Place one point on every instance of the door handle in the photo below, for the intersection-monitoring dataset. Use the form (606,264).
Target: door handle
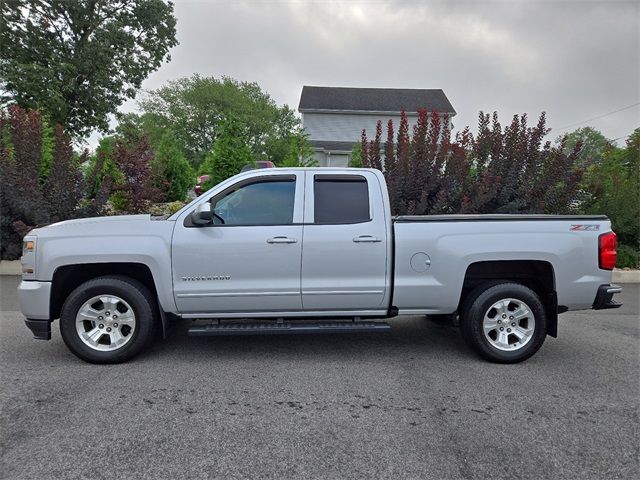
(282,240)
(366,239)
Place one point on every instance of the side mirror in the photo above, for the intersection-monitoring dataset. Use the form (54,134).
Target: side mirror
(202,215)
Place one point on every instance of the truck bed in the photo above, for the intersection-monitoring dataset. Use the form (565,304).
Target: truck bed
(496,218)
(433,253)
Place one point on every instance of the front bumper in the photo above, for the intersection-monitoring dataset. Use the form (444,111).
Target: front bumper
(34,298)
(41,329)
(604,297)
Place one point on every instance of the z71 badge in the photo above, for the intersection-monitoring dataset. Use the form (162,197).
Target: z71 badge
(584,228)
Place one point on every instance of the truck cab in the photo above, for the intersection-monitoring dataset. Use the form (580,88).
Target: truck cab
(247,255)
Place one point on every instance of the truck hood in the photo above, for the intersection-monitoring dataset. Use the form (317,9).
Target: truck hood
(94,226)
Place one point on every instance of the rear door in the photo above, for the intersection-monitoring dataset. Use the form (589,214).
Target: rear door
(344,258)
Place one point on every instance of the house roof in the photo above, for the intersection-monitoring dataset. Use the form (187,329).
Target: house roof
(373,99)
(332,146)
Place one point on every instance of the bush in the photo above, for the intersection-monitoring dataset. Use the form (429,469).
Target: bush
(118,203)
(27,197)
(139,186)
(166,208)
(628,257)
(506,170)
(172,168)
(172,173)
(101,166)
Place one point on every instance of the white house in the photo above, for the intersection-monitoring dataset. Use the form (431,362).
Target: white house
(334,117)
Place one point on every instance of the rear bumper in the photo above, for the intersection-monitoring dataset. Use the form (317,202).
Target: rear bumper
(604,297)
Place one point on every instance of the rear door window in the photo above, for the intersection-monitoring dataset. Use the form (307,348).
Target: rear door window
(340,200)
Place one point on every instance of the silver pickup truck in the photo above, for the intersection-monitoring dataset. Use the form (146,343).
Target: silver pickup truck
(311,251)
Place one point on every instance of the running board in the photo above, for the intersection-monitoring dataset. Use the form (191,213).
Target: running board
(295,328)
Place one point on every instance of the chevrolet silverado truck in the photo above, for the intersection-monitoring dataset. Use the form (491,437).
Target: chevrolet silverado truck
(311,251)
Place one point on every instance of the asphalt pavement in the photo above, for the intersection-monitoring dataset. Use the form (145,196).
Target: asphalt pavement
(412,403)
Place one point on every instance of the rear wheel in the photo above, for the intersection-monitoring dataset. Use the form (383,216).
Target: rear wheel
(504,322)
(108,319)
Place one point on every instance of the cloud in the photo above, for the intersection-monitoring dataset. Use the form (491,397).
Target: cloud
(574,60)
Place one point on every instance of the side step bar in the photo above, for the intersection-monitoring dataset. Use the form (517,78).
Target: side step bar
(294,328)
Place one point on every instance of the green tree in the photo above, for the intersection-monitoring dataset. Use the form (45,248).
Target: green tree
(170,165)
(593,145)
(194,107)
(101,165)
(132,126)
(77,61)
(299,152)
(355,160)
(173,174)
(613,188)
(230,152)
(48,148)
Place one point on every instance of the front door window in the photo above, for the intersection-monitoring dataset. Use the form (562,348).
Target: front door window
(258,203)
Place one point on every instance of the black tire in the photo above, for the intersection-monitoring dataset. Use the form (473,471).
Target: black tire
(139,298)
(480,300)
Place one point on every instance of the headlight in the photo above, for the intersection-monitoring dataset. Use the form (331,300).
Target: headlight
(28,259)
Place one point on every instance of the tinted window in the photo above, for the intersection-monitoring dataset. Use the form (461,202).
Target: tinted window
(260,203)
(338,200)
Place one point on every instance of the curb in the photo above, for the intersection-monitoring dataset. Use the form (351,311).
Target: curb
(626,276)
(13,267)
(10,267)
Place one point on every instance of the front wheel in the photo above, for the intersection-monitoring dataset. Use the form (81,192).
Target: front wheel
(504,323)
(108,319)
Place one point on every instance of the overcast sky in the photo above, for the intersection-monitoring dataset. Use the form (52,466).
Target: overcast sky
(576,60)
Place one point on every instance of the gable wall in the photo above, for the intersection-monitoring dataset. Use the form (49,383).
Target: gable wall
(348,126)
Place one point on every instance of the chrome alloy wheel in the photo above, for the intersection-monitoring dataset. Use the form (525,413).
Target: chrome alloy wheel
(509,324)
(105,323)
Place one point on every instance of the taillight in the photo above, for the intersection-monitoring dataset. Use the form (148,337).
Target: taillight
(607,245)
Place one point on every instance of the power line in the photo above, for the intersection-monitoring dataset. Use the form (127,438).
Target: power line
(598,117)
(621,138)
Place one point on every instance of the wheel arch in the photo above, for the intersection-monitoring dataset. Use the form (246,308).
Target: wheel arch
(67,278)
(538,275)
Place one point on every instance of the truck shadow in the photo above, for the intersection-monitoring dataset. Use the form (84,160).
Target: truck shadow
(409,336)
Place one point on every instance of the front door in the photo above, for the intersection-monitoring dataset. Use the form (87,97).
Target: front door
(249,259)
